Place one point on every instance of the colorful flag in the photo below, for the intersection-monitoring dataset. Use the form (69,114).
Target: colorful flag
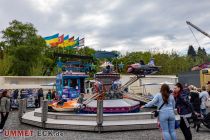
(65,40)
(68,42)
(60,40)
(51,39)
(66,37)
(72,43)
(82,42)
(76,42)
(71,39)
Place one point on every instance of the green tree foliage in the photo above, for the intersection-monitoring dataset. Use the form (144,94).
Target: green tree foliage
(171,63)
(201,54)
(5,64)
(19,33)
(86,51)
(24,47)
(23,59)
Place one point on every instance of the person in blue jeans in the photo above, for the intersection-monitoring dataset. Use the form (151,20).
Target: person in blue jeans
(166,113)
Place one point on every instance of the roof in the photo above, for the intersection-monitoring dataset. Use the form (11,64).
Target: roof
(73,74)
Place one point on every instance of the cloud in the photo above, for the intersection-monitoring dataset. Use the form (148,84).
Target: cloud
(115,25)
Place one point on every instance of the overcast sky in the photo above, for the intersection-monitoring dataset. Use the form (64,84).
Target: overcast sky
(123,25)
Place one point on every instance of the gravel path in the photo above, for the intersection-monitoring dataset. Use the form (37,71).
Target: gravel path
(13,124)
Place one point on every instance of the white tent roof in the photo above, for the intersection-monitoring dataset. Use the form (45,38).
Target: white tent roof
(106,64)
(165,82)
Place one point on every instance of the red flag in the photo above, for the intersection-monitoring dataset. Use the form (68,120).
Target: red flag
(71,39)
(60,39)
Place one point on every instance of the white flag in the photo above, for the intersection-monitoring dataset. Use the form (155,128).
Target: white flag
(82,42)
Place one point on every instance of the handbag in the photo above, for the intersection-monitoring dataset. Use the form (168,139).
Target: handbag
(156,112)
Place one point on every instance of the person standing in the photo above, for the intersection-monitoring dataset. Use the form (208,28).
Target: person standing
(166,113)
(81,98)
(4,108)
(40,94)
(195,101)
(53,94)
(203,98)
(49,95)
(184,109)
(21,94)
(15,94)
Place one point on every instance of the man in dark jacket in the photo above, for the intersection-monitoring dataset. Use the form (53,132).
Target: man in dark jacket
(184,109)
(40,94)
(15,94)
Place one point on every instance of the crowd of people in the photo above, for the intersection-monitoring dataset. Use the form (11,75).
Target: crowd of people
(10,97)
(189,101)
(34,93)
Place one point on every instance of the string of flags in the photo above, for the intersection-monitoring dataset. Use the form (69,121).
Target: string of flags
(64,41)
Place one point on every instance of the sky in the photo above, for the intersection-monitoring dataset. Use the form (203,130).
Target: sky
(122,25)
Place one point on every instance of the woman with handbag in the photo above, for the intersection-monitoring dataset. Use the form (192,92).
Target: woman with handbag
(4,108)
(165,113)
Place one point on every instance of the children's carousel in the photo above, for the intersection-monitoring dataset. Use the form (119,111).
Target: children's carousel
(109,107)
(108,86)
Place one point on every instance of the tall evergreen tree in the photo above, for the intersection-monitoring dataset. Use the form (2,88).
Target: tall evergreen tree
(191,51)
(200,52)
(202,55)
(204,52)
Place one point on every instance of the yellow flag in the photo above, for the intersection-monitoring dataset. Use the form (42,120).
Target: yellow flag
(51,41)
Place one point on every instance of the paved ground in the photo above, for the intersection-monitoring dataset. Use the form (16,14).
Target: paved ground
(13,124)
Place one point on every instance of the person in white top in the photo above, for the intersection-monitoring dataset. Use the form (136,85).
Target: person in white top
(204,95)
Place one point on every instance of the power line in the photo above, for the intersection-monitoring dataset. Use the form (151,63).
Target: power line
(194,36)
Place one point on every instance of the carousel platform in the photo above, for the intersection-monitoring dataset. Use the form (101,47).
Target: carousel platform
(87,122)
(114,106)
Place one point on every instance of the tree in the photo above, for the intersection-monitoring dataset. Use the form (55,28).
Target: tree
(191,52)
(23,45)
(86,51)
(18,34)
(23,59)
(204,51)
(201,54)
